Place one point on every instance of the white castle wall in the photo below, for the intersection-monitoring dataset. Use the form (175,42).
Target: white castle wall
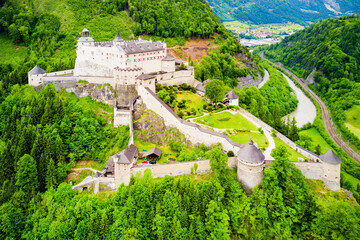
(250,175)
(177,78)
(121,117)
(193,132)
(176,169)
(58,73)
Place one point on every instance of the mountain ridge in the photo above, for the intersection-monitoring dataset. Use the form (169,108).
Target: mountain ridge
(282,11)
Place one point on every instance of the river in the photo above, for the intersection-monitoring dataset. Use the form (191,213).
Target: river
(305,111)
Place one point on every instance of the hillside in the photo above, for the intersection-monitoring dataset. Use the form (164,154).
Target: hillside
(331,47)
(49,30)
(282,11)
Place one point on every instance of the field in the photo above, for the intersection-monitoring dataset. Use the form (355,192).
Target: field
(244,137)
(317,139)
(236,25)
(9,52)
(348,178)
(353,119)
(226,120)
(294,155)
(192,101)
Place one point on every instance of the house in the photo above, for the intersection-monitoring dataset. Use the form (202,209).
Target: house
(153,153)
(231,98)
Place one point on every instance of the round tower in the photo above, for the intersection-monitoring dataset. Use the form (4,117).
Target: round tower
(250,168)
(35,76)
(331,170)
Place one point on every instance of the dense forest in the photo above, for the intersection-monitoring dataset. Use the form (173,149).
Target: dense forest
(283,207)
(47,132)
(281,11)
(332,48)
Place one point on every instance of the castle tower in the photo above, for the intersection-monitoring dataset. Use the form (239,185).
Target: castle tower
(35,76)
(123,162)
(118,39)
(331,170)
(250,168)
(85,38)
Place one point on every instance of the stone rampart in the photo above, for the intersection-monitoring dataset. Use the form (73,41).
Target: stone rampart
(299,149)
(193,132)
(176,169)
(59,73)
(177,78)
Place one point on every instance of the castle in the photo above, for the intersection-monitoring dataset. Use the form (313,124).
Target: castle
(125,65)
(133,68)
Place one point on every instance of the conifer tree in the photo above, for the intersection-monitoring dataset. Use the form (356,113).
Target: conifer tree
(51,179)
(26,176)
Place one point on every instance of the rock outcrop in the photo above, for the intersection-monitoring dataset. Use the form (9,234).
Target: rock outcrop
(104,93)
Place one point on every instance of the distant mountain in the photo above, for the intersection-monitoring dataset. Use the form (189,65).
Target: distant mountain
(282,11)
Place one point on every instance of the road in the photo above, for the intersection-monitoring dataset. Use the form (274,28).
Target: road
(325,114)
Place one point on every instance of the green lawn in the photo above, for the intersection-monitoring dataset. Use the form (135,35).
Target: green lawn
(9,52)
(353,119)
(237,25)
(192,101)
(244,137)
(317,139)
(294,155)
(226,120)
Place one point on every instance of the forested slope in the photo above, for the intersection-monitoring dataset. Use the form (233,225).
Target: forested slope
(332,48)
(212,207)
(282,11)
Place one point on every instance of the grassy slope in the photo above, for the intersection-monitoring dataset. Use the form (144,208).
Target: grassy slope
(9,52)
(192,101)
(244,137)
(317,138)
(293,154)
(353,119)
(226,120)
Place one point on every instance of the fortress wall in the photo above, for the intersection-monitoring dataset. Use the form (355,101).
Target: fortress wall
(176,169)
(65,72)
(286,140)
(121,117)
(310,170)
(68,83)
(193,132)
(177,78)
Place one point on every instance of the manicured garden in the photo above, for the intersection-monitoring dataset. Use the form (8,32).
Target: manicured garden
(353,119)
(226,120)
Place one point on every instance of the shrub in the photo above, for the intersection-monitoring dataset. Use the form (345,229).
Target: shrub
(230,153)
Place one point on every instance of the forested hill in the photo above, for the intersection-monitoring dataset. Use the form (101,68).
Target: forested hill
(331,47)
(282,11)
(50,28)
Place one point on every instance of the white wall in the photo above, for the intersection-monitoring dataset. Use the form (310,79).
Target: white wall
(176,169)
(193,132)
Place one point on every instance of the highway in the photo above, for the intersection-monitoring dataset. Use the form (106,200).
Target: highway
(325,114)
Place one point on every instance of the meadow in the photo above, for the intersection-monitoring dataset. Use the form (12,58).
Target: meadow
(353,119)
(317,139)
(226,120)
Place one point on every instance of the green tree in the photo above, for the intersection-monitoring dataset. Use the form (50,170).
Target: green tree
(51,178)
(214,91)
(27,176)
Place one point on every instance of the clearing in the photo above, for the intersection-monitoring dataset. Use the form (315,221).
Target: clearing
(9,52)
(353,119)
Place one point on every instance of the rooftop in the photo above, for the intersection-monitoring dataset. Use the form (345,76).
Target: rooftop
(231,95)
(156,151)
(37,70)
(250,153)
(330,157)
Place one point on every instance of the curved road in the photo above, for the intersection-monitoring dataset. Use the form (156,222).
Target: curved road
(325,114)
